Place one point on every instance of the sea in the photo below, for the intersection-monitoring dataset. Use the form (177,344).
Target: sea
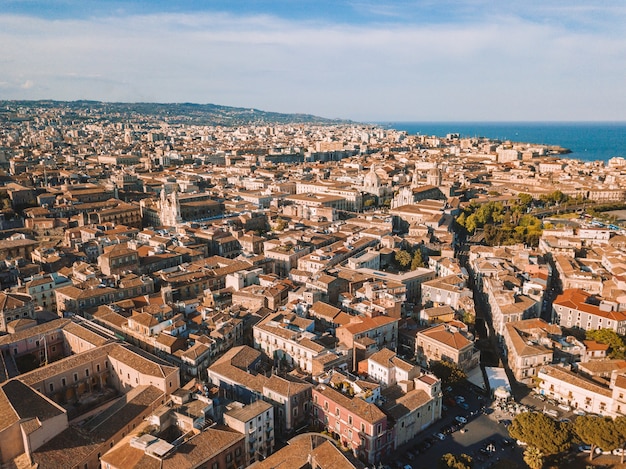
(588,141)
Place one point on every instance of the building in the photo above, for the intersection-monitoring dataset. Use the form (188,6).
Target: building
(579,309)
(449,341)
(360,426)
(14,306)
(256,422)
(528,347)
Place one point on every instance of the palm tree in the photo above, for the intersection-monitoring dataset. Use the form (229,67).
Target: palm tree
(533,457)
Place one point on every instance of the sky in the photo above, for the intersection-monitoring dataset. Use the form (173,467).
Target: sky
(365,60)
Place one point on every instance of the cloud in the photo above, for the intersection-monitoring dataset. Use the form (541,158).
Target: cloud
(501,67)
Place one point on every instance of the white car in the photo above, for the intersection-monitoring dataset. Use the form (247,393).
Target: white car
(579,412)
(565,407)
(460,419)
(440,436)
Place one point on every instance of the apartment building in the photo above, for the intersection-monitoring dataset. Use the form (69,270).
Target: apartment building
(446,291)
(290,338)
(448,341)
(236,373)
(528,347)
(579,309)
(359,425)
(382,330)
(256,422)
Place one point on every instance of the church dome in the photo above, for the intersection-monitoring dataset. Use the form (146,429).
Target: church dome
(371,178)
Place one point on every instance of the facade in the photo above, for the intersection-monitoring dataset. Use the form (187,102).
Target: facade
(359,425)
(41,289)
(577,308)
(447,341)
(256,422)
(528,347)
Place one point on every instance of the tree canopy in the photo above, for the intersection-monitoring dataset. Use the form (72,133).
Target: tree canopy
(448,372)
(502,225)
(598,432)
(452,461)
(611,338)
(533,457)
(540,431)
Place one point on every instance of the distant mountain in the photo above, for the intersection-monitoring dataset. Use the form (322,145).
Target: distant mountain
(175,113)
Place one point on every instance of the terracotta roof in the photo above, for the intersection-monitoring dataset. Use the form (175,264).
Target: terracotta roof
(365,410)
(444,334)
(13,300)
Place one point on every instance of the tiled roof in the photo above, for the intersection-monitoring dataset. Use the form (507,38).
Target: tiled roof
(368,412)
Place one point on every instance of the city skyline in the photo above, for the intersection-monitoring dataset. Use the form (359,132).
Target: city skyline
(366,61)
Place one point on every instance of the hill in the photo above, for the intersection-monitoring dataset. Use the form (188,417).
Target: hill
(174,113)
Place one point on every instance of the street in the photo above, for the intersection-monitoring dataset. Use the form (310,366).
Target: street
(481,430)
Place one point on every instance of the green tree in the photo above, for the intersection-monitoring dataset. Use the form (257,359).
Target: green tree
(620,429)
(524,201)
(448,372)
(280,224)
(452,461)
(403,258)
(541,432)
(533,457)
(611,338)
(369,203)
(598,432)
(417,259)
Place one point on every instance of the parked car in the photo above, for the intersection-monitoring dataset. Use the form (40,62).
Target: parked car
(450,401)
(459,399)
(464,405)
(565,407)
(551,413)
(460,419)
(440,436)
(579,412)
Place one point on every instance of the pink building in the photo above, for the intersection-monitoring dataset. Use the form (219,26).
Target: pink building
(359,425)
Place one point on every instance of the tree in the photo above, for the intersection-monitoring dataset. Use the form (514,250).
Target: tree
(417,259)
(369,203)
(448,372)
(598,432)
(280,224)
(533,457)
(451,461)
(611,338)
(620,429)
(538,430)
(403,258)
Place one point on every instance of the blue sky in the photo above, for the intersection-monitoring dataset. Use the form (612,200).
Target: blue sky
(432,60)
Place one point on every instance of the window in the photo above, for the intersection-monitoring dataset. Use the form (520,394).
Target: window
(350,419)
(51,387)
(87,372)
